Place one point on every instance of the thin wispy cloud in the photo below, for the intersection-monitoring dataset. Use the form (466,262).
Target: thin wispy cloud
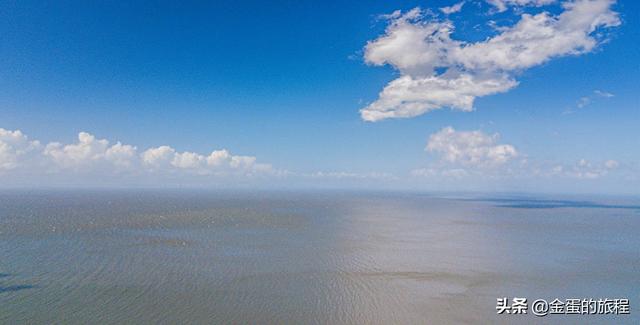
(503,5)
(582,169)
(603,94)
(585,101)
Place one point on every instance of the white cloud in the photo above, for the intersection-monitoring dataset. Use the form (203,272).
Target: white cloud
(470,148)
(218,161)
(583,101)
(585,170)
(351,175)
(523,170)
(242,161)
(121,155)
(421,48)
(502,5)
(586,100)
(218,157)
(410,96)
(15,149)
(452,9)
(475,154)
(440,172)
(91,155)
(90,152)
(538,38)
(603,93)
(611,164)
(158,157)
(188,160)
(582,169)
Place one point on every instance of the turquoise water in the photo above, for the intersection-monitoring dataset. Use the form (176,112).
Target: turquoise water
(207,257)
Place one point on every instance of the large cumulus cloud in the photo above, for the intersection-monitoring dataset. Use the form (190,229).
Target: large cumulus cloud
(437,71)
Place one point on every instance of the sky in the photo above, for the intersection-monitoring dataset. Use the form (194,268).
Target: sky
(496,95)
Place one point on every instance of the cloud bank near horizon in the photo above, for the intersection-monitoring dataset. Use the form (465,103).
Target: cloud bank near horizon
(437,71)
(90,155)
(468,154)
(457,154)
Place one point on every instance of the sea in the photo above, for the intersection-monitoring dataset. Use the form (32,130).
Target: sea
(97,256)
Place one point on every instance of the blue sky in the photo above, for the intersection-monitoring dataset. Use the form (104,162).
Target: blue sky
(285,83)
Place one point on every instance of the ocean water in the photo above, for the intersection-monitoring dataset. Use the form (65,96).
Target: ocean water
(207,257)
